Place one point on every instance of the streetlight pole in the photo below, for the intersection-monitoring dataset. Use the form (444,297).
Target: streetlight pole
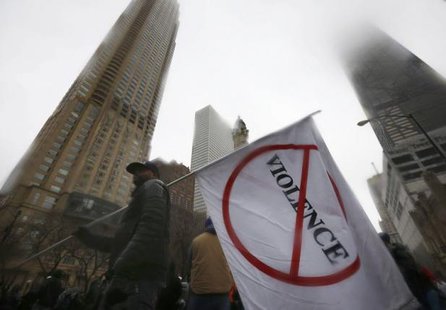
(409,116)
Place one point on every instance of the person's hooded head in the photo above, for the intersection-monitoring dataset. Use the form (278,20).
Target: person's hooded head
(209,226)
(385,237)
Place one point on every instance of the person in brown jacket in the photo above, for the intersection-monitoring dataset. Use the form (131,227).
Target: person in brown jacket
(210,279)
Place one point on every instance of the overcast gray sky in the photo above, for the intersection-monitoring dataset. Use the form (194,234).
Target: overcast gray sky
(269,61)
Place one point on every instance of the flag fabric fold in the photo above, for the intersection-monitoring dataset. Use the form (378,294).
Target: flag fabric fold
(293,233)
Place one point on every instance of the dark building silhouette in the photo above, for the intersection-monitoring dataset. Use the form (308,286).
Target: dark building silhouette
(390,81)
(397,89)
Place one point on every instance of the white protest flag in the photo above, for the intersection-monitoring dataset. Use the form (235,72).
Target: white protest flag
(293,233)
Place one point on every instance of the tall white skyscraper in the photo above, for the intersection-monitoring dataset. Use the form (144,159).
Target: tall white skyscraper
(212,140)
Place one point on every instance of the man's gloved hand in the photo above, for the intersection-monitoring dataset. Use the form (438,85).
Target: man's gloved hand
(82,233)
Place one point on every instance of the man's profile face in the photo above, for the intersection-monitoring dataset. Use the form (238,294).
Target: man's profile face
(142,175)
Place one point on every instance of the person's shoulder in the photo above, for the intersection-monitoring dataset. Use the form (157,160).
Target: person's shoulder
(198,238)
(154,187)
(400,249)
(154,183)
(203,237)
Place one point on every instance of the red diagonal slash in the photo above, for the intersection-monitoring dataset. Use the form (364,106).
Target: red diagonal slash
(295,259)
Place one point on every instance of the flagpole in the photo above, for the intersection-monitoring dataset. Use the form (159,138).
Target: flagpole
(125,207)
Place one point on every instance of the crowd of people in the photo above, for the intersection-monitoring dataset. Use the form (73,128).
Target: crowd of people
(140,276)
(47,293)
(52,293)
(426,288)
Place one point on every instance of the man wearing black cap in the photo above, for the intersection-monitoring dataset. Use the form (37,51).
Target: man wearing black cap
(139,249)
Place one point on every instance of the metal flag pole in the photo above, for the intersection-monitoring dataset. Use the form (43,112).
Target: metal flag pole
(125,207)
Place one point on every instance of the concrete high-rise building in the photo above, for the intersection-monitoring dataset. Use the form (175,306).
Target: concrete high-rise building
(105,120)
(181,211)
(212,140)
(392,84)
(376,190)
(240,134)
(400,204)
(430,216)
(181,193)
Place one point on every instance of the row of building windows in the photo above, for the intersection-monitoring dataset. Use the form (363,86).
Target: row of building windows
(92,157)
(76,146)
(47,203)
(148,54)
(180,201)
(71,153)
(55,148)
(113,66)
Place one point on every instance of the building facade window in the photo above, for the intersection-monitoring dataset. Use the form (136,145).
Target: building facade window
(63,171)
(55,188)
(35,198)
(44,168)
(69,260)
(49,202)
(59,180)
(39,176)
(48,160)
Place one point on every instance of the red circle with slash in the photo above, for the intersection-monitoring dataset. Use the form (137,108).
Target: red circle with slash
(293,276)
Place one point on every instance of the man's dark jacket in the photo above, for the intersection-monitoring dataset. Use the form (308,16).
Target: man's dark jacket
(139,249)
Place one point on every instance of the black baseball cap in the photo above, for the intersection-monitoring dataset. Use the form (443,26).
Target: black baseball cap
(135,166)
